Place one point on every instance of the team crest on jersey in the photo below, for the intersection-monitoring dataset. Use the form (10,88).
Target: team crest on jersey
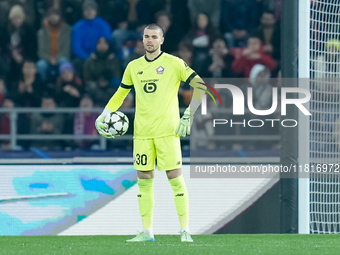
(160,70)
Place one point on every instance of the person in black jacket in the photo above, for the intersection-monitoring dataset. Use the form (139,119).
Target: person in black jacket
(269,33)
(173,33)
(218,63)
(103,59)
(19,39)
(239,19)
(69,86)
(30,87)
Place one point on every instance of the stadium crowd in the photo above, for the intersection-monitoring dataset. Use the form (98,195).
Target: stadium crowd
(72,53)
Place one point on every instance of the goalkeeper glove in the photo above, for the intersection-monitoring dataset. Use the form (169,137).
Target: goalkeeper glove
(102,127)
(183,128)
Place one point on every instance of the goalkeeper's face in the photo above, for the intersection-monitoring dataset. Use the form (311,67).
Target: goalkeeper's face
(152,40)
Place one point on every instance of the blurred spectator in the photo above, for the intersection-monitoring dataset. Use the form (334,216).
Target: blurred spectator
(28,8)
(88,30)
(5,123)
(221,61)
(102,92)
(139,51)
(212,8)
(20,39)
(201,131)
(71,10)
(239,18)
(251,56)
(172,33)
(202,32)
(2,90)
(54,41)
(259,80)
(84,122)
(201,35)
(69,86)
(262,90)
(185,51)
(41,8)
(29,87)
(122,36)
(273,6)
(180,14)
(133,17)
(269,34)
(218,64)
(221,112)
(47,123)
(114,11)
(130,14)
(131,27)
(28,91)
(99,61)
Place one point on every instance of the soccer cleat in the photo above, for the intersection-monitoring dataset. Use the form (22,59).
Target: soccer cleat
(185,237)
(142,237)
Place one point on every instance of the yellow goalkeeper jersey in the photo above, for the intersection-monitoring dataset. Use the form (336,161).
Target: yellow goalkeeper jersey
(156,83)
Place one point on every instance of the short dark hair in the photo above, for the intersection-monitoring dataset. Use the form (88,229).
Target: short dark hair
(47,95)
(218,38)
(154,26)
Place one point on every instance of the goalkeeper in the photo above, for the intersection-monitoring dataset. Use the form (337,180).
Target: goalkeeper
(156,79)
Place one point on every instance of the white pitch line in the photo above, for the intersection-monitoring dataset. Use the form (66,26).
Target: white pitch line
(28,197)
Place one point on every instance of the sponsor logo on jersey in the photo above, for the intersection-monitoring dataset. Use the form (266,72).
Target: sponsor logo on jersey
(150,87)
(160,70)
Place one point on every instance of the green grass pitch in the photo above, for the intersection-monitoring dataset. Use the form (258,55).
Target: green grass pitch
(203,244)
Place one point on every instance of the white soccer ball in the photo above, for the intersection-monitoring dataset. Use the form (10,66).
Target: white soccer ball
(118,123)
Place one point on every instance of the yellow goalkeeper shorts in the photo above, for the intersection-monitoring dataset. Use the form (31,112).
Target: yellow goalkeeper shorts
(167,151)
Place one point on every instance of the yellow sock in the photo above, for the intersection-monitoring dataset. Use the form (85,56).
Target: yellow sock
(181,200)
(146,201)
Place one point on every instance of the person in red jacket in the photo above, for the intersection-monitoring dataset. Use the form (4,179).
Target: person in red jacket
(251,56)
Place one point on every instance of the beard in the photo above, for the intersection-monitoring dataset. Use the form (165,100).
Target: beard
(151,51)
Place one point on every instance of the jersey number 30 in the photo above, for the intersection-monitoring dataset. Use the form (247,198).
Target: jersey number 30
(141,159)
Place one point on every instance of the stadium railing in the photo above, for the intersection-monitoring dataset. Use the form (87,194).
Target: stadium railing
(14,136)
